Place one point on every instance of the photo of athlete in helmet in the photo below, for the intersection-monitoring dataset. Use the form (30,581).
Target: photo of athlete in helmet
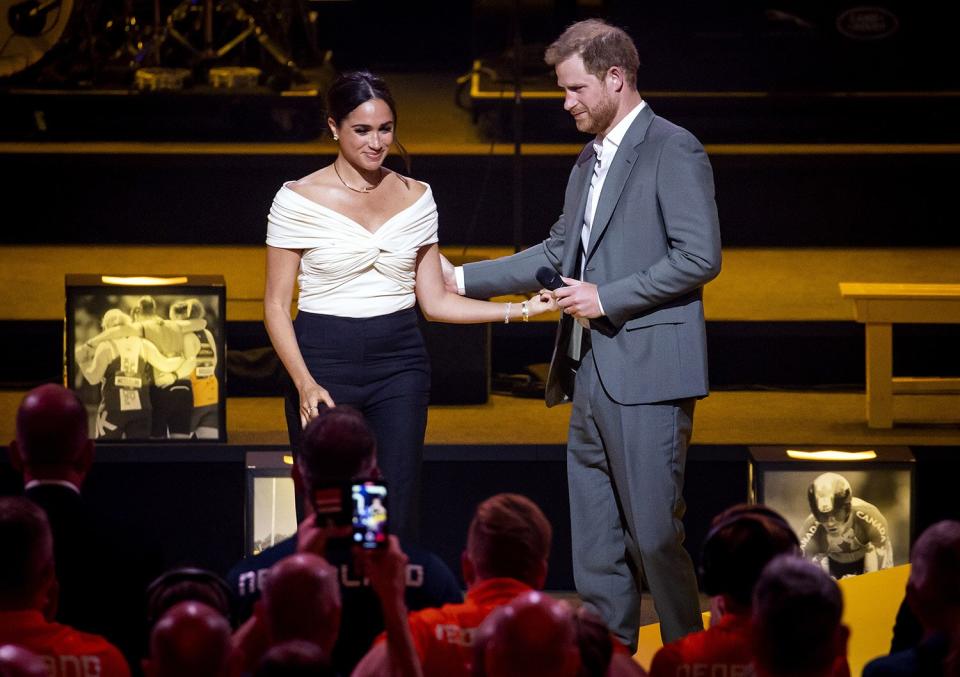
(844,534)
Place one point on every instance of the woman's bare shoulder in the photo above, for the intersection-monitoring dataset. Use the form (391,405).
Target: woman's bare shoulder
(410,188)
(316,186)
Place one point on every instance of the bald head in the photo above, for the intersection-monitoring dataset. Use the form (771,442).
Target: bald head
(52,440)
(933,589)
(301,600)
(532,635)
(190,640)
(16,661)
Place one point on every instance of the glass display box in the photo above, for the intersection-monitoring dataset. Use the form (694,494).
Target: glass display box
(146,356)
(851,507)
(271,511)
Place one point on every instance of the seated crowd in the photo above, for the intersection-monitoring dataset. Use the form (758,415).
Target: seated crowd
(317,605)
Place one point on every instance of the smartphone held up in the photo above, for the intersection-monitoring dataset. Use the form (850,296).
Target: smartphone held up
(370,524)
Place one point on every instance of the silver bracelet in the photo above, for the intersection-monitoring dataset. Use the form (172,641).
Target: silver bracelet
(506,315)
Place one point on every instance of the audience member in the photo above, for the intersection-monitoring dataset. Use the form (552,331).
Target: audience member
(15,661)
(190,640)
(741,541)
(531,636)
(187,584)
(301,600)
(933,595)
(338,446)
(508,543)
(93,552)
(295,658)
(797,631)
(28,599)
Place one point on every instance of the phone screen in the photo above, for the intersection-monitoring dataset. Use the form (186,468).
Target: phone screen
(370,514)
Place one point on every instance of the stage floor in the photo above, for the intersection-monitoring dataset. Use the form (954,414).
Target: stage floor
(724,418)
(755,285)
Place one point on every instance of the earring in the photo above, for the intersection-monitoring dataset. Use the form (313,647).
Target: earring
(336,138)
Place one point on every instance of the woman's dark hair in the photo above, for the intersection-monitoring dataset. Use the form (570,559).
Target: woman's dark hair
(351,89)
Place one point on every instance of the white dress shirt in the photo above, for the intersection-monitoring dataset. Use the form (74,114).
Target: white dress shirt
(605,149)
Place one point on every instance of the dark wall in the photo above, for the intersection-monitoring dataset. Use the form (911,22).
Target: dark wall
(763,200)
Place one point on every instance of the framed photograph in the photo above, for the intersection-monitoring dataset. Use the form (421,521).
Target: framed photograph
(271,500)
(146,356)
(852,514)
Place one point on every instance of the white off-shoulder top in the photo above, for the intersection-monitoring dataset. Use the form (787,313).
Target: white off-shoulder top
(345,269)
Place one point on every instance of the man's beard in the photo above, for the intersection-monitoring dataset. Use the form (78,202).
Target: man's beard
(599,118)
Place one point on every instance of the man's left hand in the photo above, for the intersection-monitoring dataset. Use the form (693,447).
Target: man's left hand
(579,299)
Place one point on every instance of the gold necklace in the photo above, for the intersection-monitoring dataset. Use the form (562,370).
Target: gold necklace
(365,189)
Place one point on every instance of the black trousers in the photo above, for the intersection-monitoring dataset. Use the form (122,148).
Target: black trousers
(380,366)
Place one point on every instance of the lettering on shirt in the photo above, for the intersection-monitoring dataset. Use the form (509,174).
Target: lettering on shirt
(454,634)
(875,523)
(715,670)
(250,582)
(72,666)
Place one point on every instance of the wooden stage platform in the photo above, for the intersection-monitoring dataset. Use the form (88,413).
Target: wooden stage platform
(756,285)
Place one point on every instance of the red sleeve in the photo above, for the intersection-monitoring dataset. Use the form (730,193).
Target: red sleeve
(666,662)
(113,664)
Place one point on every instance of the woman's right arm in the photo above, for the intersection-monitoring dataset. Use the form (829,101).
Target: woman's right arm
(282,267)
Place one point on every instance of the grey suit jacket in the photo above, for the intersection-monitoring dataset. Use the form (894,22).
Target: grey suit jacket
(654,243)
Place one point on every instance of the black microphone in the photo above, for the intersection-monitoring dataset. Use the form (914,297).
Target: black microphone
(550,279)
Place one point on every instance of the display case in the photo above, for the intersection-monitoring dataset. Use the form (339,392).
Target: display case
(851,507)
(271,514)
(146,356)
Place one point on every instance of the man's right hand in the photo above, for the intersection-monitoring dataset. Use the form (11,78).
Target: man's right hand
(449,276)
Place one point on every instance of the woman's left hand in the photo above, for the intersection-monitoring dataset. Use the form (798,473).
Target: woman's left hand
(544,302)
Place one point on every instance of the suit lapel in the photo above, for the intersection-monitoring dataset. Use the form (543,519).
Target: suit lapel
(575,222)
(620,168)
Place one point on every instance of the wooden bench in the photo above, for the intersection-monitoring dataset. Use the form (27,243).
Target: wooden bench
(879,306)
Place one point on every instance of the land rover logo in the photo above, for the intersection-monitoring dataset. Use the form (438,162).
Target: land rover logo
(867,23)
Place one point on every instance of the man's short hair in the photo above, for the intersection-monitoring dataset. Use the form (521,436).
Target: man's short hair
(741,541)
(294,658)
(600,45)
(337,445)
(27,561)
(797,608)
(935,568)
(51,425)
(509,537)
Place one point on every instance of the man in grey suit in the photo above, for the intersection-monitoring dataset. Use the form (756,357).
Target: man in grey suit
(637,240)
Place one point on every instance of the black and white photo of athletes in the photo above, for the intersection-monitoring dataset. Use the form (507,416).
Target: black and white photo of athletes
(147,366)
(848,522)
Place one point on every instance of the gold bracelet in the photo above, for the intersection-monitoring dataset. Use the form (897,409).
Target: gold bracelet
(525,311)
(506,315)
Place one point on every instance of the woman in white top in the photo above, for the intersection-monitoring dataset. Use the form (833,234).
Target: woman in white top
(361,241)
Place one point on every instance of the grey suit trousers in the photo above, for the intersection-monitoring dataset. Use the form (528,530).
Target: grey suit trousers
(625,466)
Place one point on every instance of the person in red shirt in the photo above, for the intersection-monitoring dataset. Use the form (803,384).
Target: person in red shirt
(741,541)
(508,543)
(15,661)
(28,600)
(301,600)
(532,635)
(797,631)
(191,639)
